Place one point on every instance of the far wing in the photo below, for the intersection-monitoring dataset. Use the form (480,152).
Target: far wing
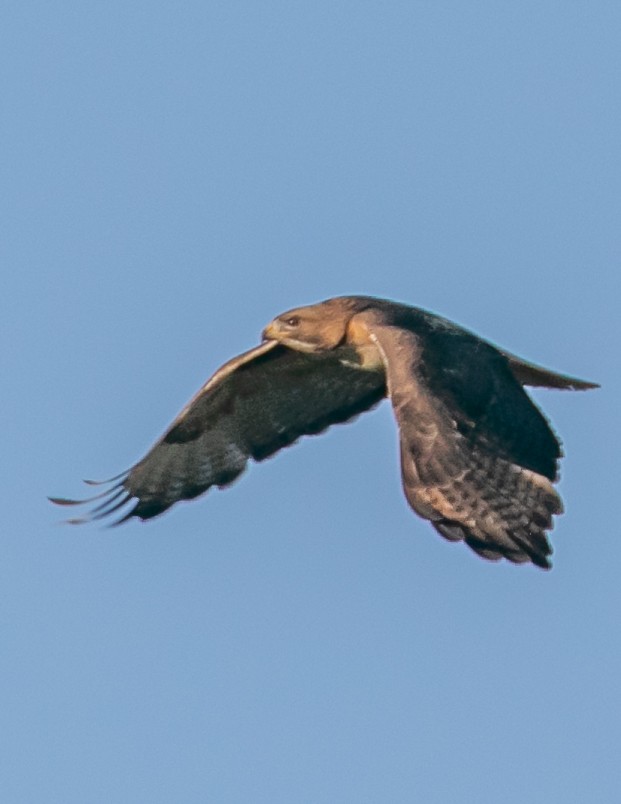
(253,406)
(477,456)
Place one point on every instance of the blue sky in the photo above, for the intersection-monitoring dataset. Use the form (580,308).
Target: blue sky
(173,176)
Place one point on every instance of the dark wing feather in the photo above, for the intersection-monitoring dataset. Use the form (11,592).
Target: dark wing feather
(252,407)
(477,456)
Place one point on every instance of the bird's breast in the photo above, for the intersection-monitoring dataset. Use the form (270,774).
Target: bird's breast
(365,353)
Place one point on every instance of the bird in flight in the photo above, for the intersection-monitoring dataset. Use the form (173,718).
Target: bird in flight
(478,458)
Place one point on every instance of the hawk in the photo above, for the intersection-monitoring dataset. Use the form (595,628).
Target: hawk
(478,458)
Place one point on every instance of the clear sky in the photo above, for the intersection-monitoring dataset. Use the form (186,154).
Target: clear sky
(175,174)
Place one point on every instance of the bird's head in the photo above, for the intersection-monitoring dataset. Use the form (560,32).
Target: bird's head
(316,328)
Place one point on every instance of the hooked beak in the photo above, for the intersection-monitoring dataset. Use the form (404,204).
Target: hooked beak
(270,332)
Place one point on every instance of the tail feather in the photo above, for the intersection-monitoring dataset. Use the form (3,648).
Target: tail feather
(539,377)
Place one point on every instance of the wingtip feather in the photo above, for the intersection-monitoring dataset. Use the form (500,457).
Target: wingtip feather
(109,497)
(64,501)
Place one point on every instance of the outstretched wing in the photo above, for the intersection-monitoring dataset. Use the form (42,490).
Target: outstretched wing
(253,406)
(478,458)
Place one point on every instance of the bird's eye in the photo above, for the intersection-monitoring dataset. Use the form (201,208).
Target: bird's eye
(292,321)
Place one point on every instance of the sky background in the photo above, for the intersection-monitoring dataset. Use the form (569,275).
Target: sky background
(174,175)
